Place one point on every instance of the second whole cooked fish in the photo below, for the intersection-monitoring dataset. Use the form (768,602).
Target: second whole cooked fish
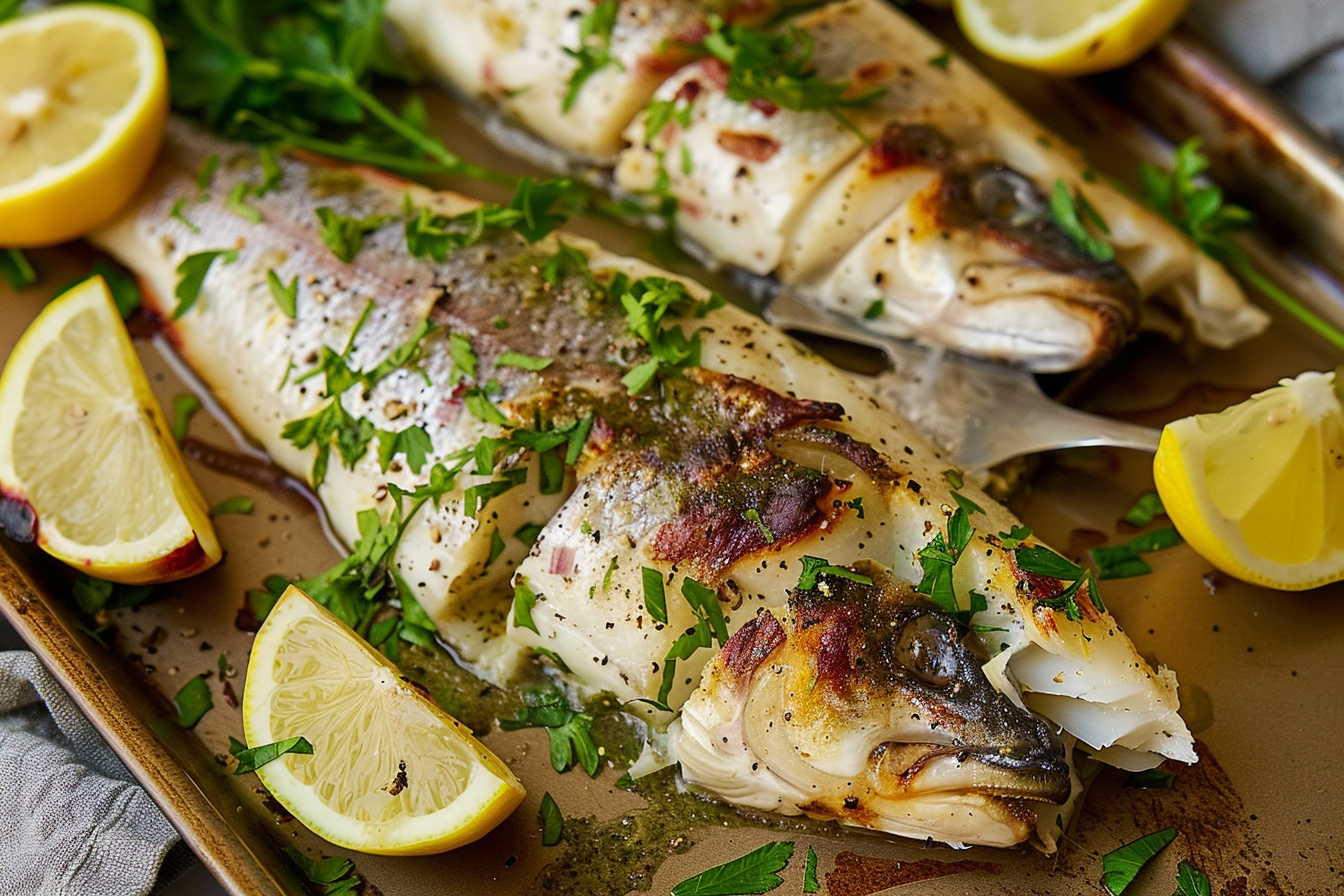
(630,478)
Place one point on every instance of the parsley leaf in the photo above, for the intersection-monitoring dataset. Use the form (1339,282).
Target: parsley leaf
(571,740)
(413,441)
(185,407)
(344,235)
(552,822)
(1119,866)
(286,297)
(754,516)
(191,277)
(776,66)
(536,209)
(193,701)
(647,302)
(252,758)
(759,871)
(876,308)
(17,270)
(524,362)
(655,598)
(1067,210)
(1121,561)
(93,594)
(810,883)
(1145,510)
(239,504)
(334,876)
(814,567)
(1190,881)
(1042,561)
(594,50)
(524,599)
(1014,537)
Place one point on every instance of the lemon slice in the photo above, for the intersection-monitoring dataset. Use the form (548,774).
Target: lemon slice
(84,451)
(1258,489)
(83,101)
(390,772)
(1067,37)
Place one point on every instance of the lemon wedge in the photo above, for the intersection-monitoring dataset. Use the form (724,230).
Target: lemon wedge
(85,455)
(1067,37)
(1258,489)
(83,102)
(390,772)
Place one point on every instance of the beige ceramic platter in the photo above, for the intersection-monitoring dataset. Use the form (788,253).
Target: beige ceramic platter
(1260,672)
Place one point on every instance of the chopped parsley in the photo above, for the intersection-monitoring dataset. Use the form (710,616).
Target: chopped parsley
(528,533)
(178,213)
(939,558)
(252,758)
(1120,866)
(524,362)
(1073,213)
(238,504)
(776,66)
(193,701)
(333,877)
(569,730)
(655,597)
(1042,561)
(875,309)
(1145,510)
(594,50)
(810,883)
(660,113)
(344,235)
(524,599)
(237,203)
(1014,537)
(17,270)
(759,871)
(552,822)
(185,407)
(942,60)
(93,594)
(286,297)
(191,277)
(814,567)
(536,209)
(1123,560)
(647,302)
(709,627)
(754,516)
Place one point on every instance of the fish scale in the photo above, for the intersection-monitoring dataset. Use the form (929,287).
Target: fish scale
(664,480)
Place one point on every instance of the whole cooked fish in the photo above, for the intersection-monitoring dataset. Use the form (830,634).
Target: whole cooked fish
(927,210)
(627,473)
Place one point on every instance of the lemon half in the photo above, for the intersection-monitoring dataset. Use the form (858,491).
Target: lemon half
(1067,37)
(1258,489)
(84,444)
(390,772)
(83,102)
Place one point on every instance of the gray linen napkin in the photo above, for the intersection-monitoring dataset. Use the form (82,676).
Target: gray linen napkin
(72,821)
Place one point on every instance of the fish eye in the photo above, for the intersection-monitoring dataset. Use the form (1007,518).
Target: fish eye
(927,650)
(1006,195)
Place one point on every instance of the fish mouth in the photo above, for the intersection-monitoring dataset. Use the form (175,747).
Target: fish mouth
(923,769)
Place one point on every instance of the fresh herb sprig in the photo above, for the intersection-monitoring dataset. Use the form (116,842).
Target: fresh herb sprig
(759,871)
(775,66)
(252,758)
(1121,865)
(1078,218)
(569,730)
(647,302)
(301,75)
(1199,209)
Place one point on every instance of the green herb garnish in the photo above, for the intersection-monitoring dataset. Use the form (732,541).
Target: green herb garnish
(1014,537)
(814,567)
(1122,561)
(810,883)
(942,60)
(552,822)
(1119,866)
(594,50)
(192,701)
(344,235)
(776,66)
(238,504)
(1201,212)
(1145,510)
(252,758)
(17,270)
(524,362)
(333,877)
(286,297)
(759,871)
(1042,561)
(571,740)
(191,277)
(1190,881)
(647,302)
(1069,210)
(655,598)
(524,599)
(185,407)
(93,594)
(754,516)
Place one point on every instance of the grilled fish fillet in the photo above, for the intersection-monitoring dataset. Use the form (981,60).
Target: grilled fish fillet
(937,207)
(714,481)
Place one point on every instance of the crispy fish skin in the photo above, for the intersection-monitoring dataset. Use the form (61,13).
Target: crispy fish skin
(665,478)
(802,198)
(860,702)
